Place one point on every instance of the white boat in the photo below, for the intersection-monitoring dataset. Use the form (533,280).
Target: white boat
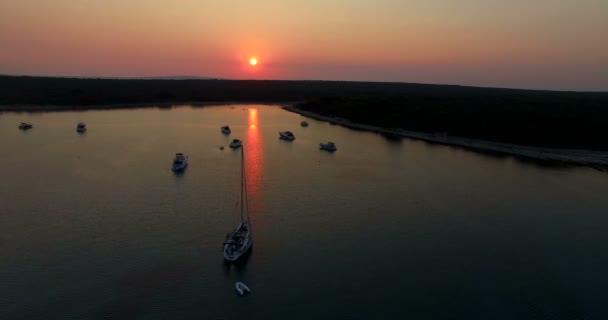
(226,130)
(179,162)
(304,124)
(241,288)
(236,143)
(287,135)
(81,127)
(330,146)
(25,126)
(239,241)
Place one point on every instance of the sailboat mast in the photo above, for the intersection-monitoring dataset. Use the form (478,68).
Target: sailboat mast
(242,180)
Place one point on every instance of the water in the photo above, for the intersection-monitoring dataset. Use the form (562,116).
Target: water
(96,226)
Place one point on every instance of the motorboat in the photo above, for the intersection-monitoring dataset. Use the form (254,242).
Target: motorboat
(239,241)
(25,126)
(81,127)
(330,146)
(304,124)
(180,162)
(287,135)
(241,288)
(226,130)
(236,143)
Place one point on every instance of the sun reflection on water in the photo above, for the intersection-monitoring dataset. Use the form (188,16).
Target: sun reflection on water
(253,162)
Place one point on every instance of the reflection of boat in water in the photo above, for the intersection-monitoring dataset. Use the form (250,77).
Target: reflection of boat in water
(81,127)
(304,124)
(240,240)
(287,135)
(236,143)
(226,130)
(25,126)
(241,288)
(330,146)
(179,162)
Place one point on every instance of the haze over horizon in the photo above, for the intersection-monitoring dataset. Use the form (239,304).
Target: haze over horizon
(549,44)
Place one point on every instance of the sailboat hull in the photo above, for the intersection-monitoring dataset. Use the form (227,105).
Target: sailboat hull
(234,258)
(238,243)
(240,240)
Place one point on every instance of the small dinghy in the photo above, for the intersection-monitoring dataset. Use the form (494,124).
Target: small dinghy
(241,288)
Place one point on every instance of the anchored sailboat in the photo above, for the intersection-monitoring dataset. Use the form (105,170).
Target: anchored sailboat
(240,240)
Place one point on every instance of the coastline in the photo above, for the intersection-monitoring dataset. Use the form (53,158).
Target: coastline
(51,108)
(575,157)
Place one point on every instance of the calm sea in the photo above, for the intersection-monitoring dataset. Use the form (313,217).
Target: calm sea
(96,226)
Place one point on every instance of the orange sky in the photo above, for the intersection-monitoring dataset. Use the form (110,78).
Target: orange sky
(549,44)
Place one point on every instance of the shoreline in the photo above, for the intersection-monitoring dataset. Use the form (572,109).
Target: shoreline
(135,105)
(576,157)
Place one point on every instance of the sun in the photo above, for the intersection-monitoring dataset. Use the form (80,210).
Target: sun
(253,61)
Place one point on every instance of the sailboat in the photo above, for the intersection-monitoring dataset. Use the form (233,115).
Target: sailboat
(239,241)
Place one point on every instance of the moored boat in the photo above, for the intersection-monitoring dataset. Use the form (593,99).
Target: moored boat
(239,241)
(330,146)
(287,135)
(180,162)
(236,143)
(81,127)
(25,126)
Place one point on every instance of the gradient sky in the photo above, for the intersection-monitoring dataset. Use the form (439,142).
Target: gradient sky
(543,44)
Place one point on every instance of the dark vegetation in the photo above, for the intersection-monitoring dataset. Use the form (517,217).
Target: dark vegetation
(542,118)
(539,118)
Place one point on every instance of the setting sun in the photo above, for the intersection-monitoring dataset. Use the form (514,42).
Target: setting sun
(253,61)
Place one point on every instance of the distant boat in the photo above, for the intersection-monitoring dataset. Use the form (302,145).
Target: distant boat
(304,124)
(180,162)
(226,130)
(330,146)
(236,143)
(25,126)
(287,135)
(241,288)
(239,241)
(81,127)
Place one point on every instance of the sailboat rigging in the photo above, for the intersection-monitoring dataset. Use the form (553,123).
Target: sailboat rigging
(239,241)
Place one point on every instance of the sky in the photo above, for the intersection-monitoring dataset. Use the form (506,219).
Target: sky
(540,44)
